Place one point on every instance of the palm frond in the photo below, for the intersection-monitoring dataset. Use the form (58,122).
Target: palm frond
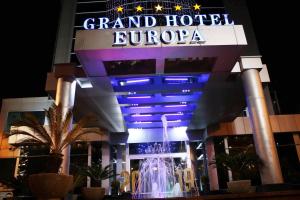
(52,123)
(31,135)
(32,123)
(59,135)
(38,128)
(73,136)
(96,172)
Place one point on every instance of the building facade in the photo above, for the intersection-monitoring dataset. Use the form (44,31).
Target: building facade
(183,72)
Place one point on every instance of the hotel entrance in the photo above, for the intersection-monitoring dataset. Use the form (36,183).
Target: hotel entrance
(158,172)
(173,84)
(150,92)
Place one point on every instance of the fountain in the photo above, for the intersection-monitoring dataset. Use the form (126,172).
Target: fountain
(157,178)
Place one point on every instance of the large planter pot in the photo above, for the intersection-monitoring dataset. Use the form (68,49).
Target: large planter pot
(241,186)
(93,193)
(50,185)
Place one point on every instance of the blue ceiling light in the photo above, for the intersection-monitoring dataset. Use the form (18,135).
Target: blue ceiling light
(175,106)
(176,95)
(141,115)
(157,109)
(203,78)
(140,107)
(138,97)
(134,81)
(156,117)
(177,80)
(174,121)
(142,122)
(143,100)
(157,124)
(174,114)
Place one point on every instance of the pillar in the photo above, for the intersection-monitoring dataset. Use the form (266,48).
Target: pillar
(259,117)
(127,159)
(226,146)
(105,161)
(119,159)
(188,156)
(65,95)
(89,162)
(212,170)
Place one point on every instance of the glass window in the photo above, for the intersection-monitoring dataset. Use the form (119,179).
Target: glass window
(288,157)
(235,145)
(78,158)
(153,147)
(14,116)
(32,159)
(96,152)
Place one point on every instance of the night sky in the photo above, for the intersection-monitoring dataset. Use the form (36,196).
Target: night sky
(30,31)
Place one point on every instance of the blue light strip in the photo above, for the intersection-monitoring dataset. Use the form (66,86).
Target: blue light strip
(146,99)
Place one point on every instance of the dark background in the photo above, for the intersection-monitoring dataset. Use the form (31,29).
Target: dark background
(29,30)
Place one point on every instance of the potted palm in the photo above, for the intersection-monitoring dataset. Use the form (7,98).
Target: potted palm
(96,174)
(59,135)
(243,163)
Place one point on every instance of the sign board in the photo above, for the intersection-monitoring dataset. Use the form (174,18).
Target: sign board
(145,34)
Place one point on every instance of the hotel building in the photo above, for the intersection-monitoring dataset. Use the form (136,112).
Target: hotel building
(198,66)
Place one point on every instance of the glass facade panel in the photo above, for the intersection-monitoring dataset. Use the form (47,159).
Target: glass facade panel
(144,148)
(14,116)
(289,162)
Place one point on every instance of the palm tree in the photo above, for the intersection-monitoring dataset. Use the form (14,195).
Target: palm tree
(58,137)
(96,172)
(243,162)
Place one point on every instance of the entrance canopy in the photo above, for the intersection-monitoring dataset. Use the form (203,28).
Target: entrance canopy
(134,85)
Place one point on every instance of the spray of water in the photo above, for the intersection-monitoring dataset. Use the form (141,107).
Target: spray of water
(156,174)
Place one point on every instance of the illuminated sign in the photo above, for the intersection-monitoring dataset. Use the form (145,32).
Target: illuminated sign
(141,28)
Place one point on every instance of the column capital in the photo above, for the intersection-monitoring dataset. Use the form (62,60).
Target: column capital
(250,62)
(68,71)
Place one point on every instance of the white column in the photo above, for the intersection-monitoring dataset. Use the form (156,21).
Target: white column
(127,159)
(226,146)
(212,170)
(105,161)
(89,162)
(188,156)
(119,159)
(65,95)
(262,132)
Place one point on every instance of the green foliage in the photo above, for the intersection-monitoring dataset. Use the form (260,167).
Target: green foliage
(79,181)
(243,162)
(96,172)
(60,133)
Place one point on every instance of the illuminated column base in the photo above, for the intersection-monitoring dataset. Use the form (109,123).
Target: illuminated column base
(65,95)
(262,132)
